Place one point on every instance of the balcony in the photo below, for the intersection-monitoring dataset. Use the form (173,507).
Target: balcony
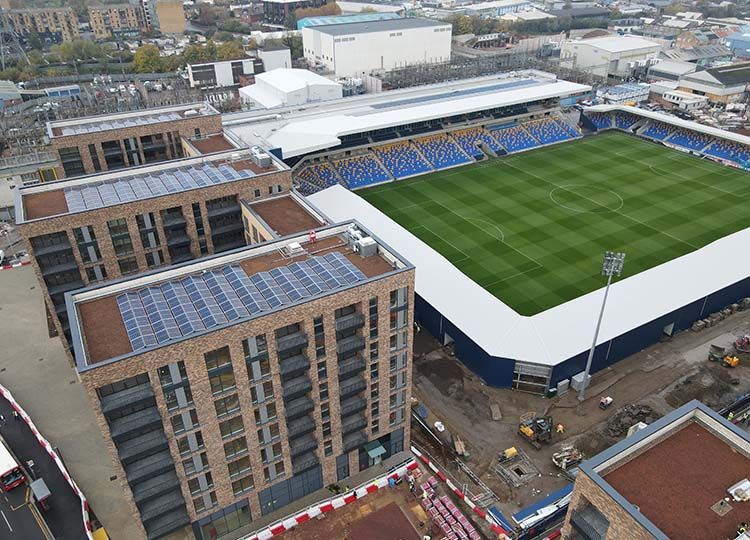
(349,344)
(302,445)
(173,221)
(352,321)
(178,240)
(296,387)
(300,426)
(148,467)
(350,367)
(304,461)
(130,396)
(353,423)
(225,228)
(142,446)
(354,386)
(298,407)
(155,486)
(161,505)
(352,405)
(354,440)
(293,366)
(214,211)
(140,420)
(51,248)
(59,268)
(297,340)
(162,526)
(589,523)
(65,287)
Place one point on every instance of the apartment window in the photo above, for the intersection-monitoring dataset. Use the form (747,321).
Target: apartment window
(323,391)
(257,194)
(374,350)
(398,319)
(374,391)
(147,230)
(155,259)
(198,219)
(243,485)
(373,316)
(265,413)
(322,370)
(396,417)
(184,422)
(320,338)
(270,453)
(201,504)
(119,386)
(375,409)
(200,483)
(328,448)
(326,429)
(398,341)
(173,398)
(236,468)
(71,161)
(325,411)
(222,381)
(255,346)
(398,361)
(233,426)
(128,265)
(218,358)
(172,373)
(87,244)
(118,231)
(259,369)
(399,298)
(398,380)
(96,273)
(190,443)
(261,392)
(273,471)
(227,405)
(235,448)
(268,434)
(374,427)
(192,467)
(374,371)
(203,245)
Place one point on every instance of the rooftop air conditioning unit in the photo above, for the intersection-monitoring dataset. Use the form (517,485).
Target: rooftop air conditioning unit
(295,249)
(740,491)
(191,112)
(366,246)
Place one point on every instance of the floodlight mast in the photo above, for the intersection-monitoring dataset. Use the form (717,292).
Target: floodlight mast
(611,266)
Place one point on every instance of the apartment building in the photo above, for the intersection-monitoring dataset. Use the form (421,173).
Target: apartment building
(117,20)
(230,387)
(276,12)
(111,224)
(114,141)
(166,16)
(52,25)
(684,476)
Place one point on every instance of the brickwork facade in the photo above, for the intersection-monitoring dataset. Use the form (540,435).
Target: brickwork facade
(56,24)
(379,373)
(121,20)
(621,525)
(255,188)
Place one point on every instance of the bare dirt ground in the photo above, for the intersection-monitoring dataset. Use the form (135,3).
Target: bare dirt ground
(661,377)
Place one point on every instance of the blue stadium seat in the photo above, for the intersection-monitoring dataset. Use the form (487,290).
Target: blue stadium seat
(441,151)
(361,171)
(401,159)
(729,150)
(315,177)
(467,139)
(513,138)
(600,120)
(548,130)
(624,120)
(691,140)
(657,130)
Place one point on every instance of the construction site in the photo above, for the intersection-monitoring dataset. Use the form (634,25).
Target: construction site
(514,452)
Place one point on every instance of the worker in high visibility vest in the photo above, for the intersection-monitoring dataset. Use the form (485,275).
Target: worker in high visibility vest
(559,428)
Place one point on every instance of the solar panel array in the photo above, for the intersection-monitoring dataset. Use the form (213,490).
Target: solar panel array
(161,313)
(120,124)
(89,197)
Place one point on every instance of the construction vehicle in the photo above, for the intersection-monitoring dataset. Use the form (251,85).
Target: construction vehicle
(731,361)
(567,457)
(716,353)
(742,345)
(535,429)
(507,454)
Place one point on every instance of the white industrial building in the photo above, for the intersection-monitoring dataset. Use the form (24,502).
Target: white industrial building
(356,49)
(220,74)
(287,88)
(610,56)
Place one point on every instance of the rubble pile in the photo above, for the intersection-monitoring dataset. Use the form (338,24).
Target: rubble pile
(620,422)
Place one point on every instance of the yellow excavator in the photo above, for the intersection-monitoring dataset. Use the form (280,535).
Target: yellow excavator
(535,429)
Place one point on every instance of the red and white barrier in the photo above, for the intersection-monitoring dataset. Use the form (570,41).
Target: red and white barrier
(333,503)
(14,265)
(496,528)
(53,455)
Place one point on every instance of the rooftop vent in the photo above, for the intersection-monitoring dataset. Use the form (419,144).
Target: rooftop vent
(294,249)
(740,491)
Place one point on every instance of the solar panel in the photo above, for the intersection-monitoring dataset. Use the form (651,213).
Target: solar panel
(170,182)
(270,290)
(204,302)
(224,294)
(124,191)
(155,185)
(140,188)
(309,278)
(108,194)
(138,327)
(182,308)
(199,177)
(289,283)
(321,267)
(185,180)
(345,267)
(158,312)
(75,200)
(91,197)
(245,290)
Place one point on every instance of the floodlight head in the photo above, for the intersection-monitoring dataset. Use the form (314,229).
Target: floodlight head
(612,263)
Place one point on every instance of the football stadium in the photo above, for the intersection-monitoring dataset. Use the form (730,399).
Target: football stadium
(505,198)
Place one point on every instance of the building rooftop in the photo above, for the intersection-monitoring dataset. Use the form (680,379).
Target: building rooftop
(343,19)
(284,215)
(132,316)
(91,192)
(616,44)
(107,122)
(216,142)
(386,25)
(670,475)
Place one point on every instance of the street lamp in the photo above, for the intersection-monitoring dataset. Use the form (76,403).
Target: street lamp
(611,266)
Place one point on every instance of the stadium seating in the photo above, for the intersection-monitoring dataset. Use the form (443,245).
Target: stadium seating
(513,138)
(691,140)
(625,120)
(547,131)
(441,151)
(401,159)
(657,130)
(600,120)
(316,177)
(729,150)
(467,139)
(361,171)
(570,129)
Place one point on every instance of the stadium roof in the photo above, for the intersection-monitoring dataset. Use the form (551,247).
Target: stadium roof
(547,338)
(385,25)
(318,126)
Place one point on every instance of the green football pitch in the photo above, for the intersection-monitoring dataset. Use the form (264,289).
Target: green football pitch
(531,228)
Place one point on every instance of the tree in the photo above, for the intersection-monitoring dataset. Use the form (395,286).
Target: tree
(230,50)
(463,25)
(147,59)
(34,41)
(195,54)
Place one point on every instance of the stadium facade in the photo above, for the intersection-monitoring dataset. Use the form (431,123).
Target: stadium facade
(331,146)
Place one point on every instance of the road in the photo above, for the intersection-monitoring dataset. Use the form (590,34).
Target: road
(17,520)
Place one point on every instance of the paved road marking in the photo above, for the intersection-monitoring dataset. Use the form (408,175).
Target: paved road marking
(6,521)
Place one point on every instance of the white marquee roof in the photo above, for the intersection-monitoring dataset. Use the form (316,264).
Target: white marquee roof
(555,335)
